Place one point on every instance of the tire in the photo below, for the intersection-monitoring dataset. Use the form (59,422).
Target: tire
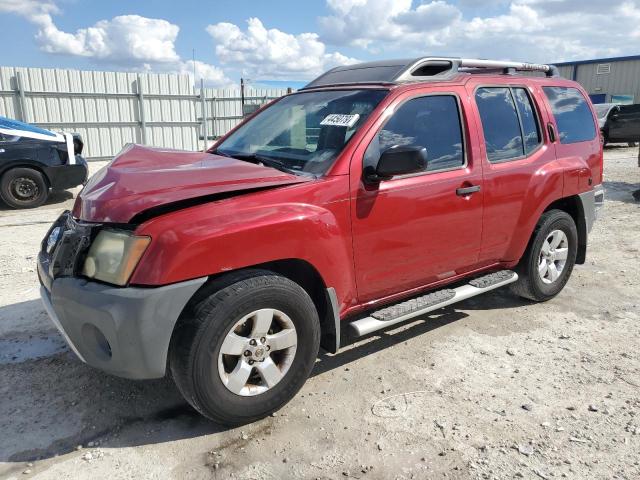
(196,360)
(23,188)
(536,280)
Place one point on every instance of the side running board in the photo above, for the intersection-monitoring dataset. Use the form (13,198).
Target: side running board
(431,301)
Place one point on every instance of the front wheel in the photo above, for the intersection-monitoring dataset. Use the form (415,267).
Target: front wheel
(247,348)
(548,261)
(23,188)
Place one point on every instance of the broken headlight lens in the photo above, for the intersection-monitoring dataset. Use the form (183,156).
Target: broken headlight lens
(114,255)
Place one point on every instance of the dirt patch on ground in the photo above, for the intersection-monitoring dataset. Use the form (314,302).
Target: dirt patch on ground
(494,388)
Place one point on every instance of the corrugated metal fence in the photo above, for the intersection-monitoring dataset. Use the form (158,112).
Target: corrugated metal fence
(110,109)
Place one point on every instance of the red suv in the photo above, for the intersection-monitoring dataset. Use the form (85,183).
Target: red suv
(377,193)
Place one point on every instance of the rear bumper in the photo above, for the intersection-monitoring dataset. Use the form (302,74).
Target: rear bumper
(123,331)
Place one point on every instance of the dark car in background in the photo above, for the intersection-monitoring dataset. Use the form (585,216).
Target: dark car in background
(34,161)
(619,123)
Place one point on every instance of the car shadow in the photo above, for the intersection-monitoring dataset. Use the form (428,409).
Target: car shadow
(55,197)
(54,403)
(58,196)
(620,191)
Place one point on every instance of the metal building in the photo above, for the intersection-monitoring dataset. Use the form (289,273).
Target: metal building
(607,80)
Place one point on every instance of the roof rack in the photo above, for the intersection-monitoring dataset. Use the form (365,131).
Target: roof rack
(472,63)
(421,69)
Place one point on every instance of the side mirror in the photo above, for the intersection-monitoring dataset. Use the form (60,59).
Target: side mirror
(398,160)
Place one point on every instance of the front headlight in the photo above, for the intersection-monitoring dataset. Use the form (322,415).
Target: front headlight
(113,256)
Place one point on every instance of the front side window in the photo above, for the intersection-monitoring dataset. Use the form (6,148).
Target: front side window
(572,113)
(302,133)
(432,122)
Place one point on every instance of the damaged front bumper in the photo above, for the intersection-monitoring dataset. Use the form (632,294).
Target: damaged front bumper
(124,331)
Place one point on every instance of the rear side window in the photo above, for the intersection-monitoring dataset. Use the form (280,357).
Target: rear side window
(432,122)
(573,115)
(502,135)
(528,119)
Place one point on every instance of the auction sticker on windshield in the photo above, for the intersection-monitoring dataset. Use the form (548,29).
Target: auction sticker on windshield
(340,120)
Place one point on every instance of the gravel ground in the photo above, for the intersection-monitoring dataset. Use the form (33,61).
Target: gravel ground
(494,388)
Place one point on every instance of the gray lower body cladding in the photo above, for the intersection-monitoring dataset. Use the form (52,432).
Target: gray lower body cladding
(591,201)
(123,331)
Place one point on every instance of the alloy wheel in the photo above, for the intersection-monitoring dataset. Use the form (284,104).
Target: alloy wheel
(257,352)
(553,256)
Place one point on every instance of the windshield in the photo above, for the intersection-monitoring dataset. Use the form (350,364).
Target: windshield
(602,109)
(303,133)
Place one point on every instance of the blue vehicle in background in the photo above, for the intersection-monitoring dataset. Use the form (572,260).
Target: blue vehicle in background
(35,161)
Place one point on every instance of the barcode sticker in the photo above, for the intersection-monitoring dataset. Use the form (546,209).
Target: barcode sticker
(340,120)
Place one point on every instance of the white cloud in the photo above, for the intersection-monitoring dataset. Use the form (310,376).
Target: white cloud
(527,30)
(129,41)
(361,22)
(430,16)
(530,30)
(126,39)
(272,53)
(212,75)
(28,8)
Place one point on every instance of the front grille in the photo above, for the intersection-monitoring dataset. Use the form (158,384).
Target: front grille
(66,256)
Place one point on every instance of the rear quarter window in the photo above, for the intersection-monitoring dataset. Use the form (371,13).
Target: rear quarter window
(572,113)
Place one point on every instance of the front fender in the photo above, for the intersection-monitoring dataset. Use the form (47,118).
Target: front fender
(251,230)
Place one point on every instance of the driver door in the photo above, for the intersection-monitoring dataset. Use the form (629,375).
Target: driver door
(417,229)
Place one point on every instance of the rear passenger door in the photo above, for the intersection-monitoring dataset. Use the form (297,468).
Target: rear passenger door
(513,147)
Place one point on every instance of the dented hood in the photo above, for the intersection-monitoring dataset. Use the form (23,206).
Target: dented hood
(141,178)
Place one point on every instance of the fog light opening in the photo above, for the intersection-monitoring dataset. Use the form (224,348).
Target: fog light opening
(97,342)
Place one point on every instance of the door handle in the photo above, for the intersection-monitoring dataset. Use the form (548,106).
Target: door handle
(464,191)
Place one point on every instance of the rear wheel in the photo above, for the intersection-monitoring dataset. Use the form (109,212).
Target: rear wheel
(23,188)
(548,261)
(247,348)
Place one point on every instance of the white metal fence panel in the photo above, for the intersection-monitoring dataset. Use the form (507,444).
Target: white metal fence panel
(111,109)
(224,106)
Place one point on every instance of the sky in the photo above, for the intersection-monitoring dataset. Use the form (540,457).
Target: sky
(288,43)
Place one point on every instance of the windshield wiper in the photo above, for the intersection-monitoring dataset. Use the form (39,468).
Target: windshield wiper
(267,161)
